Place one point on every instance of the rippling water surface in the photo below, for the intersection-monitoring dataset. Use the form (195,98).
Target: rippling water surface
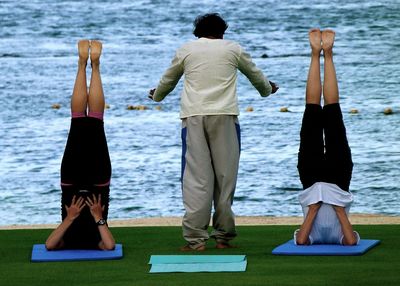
(38,62)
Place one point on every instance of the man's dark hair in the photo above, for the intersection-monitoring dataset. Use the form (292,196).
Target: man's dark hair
(209,25)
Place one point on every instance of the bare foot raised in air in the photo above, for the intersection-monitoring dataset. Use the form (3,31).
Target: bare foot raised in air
(83,51)
(328,37)
(315,40)
(95,51)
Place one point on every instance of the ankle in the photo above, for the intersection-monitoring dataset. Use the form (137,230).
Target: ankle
(95,64)
(328,54)
(315,53)
(82,63)
(315,58)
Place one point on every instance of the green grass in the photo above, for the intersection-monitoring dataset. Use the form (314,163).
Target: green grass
(380,266)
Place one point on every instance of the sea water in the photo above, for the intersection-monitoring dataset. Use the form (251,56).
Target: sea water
(38,62)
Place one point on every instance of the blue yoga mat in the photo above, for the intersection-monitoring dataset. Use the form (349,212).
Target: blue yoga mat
(289,248)
(197,263)
(41,254)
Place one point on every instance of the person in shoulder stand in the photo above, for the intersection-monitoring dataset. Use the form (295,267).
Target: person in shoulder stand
(324,162)
(210,127)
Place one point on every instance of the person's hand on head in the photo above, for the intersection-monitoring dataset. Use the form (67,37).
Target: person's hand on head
(74,210)
(275,87)
(151,93)
(96,209)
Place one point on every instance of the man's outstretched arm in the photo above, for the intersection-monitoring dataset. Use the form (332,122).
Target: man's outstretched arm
(255,75)
(168,81)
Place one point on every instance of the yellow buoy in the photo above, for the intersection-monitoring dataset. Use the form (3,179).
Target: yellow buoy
(284,109)
(388,111)
(137,107)
(56,106)
(249,109)
(353,111)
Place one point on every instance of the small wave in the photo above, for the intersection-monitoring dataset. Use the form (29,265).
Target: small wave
(290,189)
(241,198)
(52,191)
(10,55)
(129,209)
(288,55)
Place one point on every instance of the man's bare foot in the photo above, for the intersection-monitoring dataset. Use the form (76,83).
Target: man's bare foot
(315,38)
(224,245)
(83,51)
(95,51)
(328,37)
(187,247)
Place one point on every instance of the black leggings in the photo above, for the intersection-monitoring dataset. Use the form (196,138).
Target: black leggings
(318,162)
(85,170)
(86,159)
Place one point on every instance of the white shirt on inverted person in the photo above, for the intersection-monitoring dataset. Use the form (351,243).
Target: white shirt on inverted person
(326,227)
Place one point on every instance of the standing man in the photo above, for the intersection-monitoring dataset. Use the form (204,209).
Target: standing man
(210,127)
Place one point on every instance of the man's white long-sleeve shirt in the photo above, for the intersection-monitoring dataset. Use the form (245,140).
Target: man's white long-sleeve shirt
(210,68)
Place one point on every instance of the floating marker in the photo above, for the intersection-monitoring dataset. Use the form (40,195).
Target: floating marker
(284,109)
(137,107)
(388,111)
(250,109)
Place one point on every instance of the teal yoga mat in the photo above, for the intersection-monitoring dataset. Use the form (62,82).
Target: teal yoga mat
(197,263)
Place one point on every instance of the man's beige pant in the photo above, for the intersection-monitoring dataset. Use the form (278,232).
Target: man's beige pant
(210,161)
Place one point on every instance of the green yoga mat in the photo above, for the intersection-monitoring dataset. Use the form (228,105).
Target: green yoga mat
(197,263)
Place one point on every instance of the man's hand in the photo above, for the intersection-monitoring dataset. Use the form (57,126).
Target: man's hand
(74,210)
(151,93)
(96,209)
(275,87)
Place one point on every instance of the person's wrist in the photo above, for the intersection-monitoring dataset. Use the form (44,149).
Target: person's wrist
(70,218)
(97,218)
(101,222)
